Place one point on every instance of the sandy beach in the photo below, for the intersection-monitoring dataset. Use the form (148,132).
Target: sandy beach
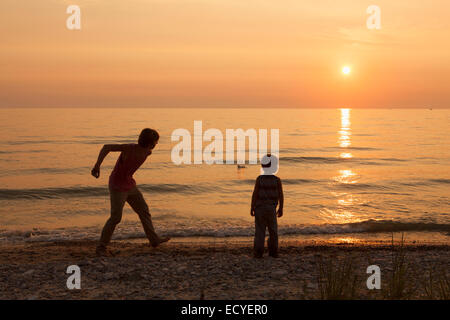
(211,270)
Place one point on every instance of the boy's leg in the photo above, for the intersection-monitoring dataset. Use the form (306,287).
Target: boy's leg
(117,200)
(137,202)
(260,233)
(272,225)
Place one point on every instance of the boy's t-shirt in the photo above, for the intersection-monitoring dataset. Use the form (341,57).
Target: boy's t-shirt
(268,191)
(121,178)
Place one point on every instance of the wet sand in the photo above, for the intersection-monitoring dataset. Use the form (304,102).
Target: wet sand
(204,270)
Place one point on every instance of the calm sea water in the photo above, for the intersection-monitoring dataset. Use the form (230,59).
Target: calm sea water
(344,172)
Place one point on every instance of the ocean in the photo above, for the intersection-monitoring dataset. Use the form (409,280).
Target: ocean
(346,173)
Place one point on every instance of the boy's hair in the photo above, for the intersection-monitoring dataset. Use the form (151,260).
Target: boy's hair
(148,137)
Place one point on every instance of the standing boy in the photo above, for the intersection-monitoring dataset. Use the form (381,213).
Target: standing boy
(267,194)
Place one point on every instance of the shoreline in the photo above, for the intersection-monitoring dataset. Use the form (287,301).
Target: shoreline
(191,270)
(45,236)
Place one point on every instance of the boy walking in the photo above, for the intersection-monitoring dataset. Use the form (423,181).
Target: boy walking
(267,194)
(122,186)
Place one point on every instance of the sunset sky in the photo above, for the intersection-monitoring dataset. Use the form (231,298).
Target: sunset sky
(225,53)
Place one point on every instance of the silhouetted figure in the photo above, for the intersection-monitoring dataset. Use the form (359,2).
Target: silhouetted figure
(122,187)
(267,194)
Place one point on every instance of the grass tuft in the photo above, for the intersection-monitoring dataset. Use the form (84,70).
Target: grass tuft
(399,284)
(337,280)
(436,284)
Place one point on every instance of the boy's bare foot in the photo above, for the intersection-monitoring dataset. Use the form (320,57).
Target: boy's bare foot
(103,252)
(161,240)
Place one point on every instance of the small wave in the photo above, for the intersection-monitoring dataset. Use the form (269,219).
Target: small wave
(75,192)
(393,159)
(22,151)
(299,181)
(285,181)
(51,193)
(178,188)
(443,181)
(354,148)
(332,160)
(25,142)
(397,226)
(244,229)
(423,182)
(44,141)
(296,134)
(314,159)
(103,141)
(32,171)
(365,186)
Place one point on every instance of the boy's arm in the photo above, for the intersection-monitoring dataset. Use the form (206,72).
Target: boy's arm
(107,148)
(281,198)
(254,198)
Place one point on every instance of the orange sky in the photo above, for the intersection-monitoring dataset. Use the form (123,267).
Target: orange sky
(225,53)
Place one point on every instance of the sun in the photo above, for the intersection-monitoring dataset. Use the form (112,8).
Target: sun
(346,70)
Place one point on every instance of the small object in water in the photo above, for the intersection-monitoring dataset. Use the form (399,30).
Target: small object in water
(241,166)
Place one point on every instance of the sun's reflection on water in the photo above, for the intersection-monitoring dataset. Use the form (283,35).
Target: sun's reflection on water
(346,201)
(346,176)
(346,132)
(343,212)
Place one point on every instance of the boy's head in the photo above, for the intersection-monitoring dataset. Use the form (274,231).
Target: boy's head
(266,161)
(148,138)
(269,164)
